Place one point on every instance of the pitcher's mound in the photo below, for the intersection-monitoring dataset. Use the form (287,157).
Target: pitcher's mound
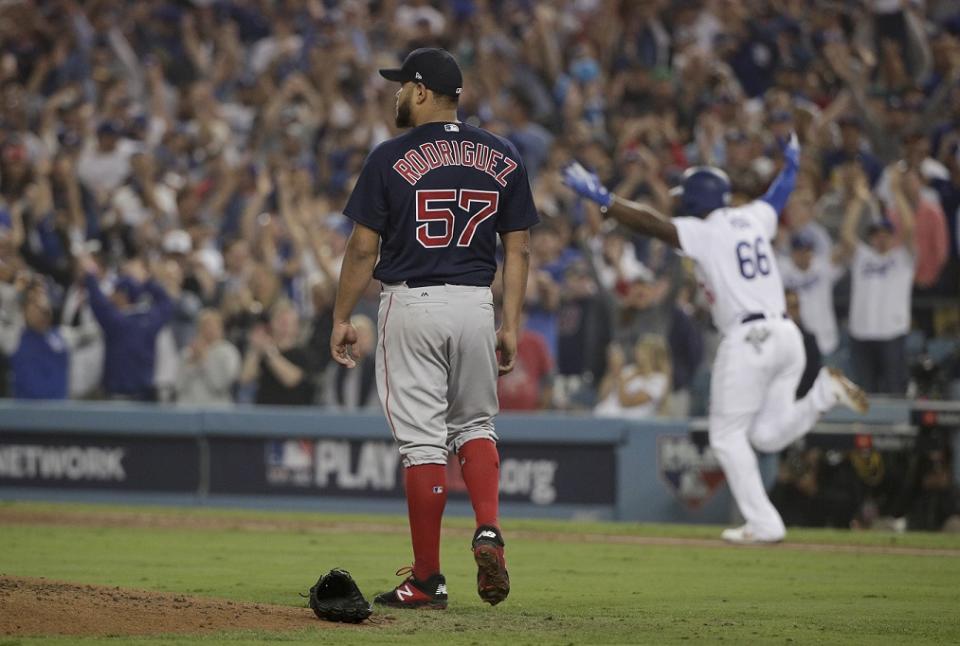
(44,607)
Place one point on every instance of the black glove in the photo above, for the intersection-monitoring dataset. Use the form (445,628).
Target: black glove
(336,597)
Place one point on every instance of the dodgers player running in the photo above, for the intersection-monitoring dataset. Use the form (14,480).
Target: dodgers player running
(760,358)
(432,202)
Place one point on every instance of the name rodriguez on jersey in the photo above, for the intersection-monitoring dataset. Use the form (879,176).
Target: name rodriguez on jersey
(430,155)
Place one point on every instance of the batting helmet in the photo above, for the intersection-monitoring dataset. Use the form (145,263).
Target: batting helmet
(702,190)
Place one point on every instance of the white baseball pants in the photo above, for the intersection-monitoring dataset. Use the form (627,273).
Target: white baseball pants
(752,405)
(437,368)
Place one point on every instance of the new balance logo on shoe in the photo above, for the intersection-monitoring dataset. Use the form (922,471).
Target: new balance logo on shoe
(412,593)
(487,534)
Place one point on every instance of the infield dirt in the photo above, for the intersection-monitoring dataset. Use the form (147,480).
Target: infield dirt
(45,607)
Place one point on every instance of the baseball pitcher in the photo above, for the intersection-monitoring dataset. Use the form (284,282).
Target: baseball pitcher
(760,358)
(431,202)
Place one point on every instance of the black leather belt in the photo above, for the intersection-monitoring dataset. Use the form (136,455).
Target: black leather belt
(756,316)
(424,283)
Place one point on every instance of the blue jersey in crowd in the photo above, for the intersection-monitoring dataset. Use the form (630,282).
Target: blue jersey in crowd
(131,338)
(40,365)
(438,195)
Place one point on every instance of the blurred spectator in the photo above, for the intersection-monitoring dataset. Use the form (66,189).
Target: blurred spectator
(616,263)
(811,347)
(104,163)
(817,488)
(529,386)
(354,389)
(86,361)
(584,330)
(637,390)
(929,225)
(323,294)
(686,354)
(811,278)
(852,149)
(39,352)
(931,497)
(848,191)
(276,362)
(130,328)
(531,139)
(209,366)
(882,276)
(543,285)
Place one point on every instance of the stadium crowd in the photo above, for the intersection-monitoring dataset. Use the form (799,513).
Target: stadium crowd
(171,176)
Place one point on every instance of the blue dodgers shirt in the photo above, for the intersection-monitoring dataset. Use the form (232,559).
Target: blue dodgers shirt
(439,195)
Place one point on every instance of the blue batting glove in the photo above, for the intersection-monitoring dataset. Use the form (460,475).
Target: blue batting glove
(586,184)
(791,150)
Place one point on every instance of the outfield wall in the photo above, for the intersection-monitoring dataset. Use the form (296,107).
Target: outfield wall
(558,466)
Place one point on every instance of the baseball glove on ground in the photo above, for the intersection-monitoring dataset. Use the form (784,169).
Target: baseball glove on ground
(336,597)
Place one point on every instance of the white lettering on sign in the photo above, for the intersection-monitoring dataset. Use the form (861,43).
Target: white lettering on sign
(684,454)
(534,478)
(376,466)
(34,462)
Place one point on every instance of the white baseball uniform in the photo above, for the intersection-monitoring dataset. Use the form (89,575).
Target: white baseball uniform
(814,287)
(760,358)
(880,293)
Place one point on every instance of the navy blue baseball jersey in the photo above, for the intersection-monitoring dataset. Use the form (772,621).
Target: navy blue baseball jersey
(439,195)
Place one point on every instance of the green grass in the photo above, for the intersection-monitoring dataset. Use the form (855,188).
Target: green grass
(564,591)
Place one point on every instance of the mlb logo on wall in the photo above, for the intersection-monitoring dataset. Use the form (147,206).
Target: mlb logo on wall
(691,472)
(290,462)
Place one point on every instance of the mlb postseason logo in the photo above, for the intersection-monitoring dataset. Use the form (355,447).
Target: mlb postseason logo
(691,472)
(290,462)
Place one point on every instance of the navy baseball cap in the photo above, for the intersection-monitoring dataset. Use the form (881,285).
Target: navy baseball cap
(802,242)
(433,67)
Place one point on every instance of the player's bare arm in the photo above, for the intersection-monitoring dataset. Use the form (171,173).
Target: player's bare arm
(516,265)
(356,273)
(643,219)
(639,217)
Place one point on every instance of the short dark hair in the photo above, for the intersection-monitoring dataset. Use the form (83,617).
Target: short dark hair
(447,100)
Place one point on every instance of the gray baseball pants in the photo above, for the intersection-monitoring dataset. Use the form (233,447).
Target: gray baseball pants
(437,368)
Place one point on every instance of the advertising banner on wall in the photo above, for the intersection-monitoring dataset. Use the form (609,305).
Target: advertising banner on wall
(541,474)
(90,462)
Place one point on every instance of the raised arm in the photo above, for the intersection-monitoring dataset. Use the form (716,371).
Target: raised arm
(779,191)
(905,209)
(848,231)
(640,217)
(105,312)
